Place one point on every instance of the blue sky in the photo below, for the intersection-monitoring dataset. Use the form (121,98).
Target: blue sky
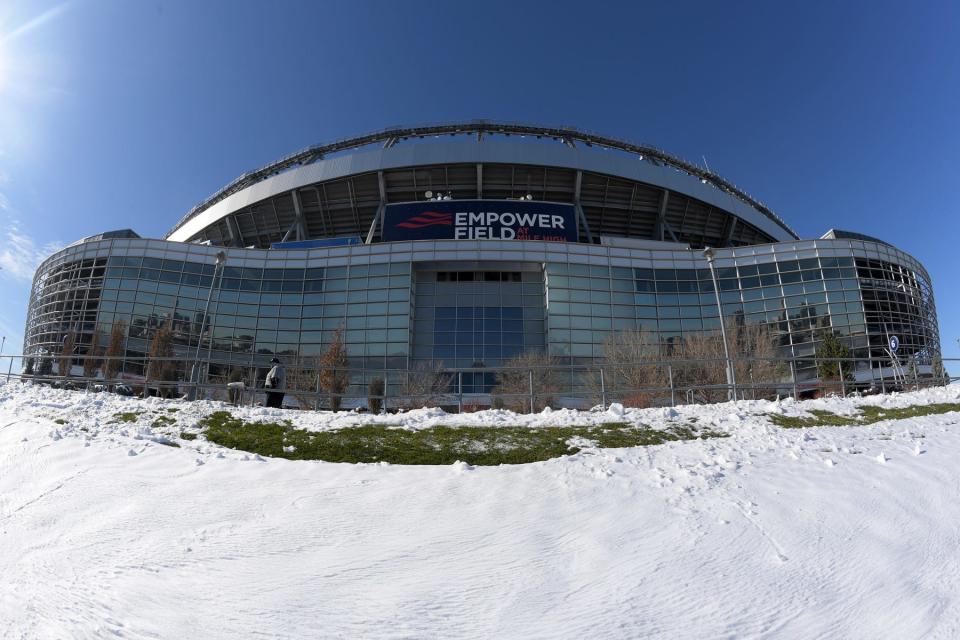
(121,114)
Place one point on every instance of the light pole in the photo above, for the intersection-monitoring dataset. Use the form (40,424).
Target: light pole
(221,257)
(731,377)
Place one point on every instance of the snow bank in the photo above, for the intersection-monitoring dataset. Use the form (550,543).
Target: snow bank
(829,532)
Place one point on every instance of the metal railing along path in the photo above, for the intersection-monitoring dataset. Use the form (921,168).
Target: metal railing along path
(660,382)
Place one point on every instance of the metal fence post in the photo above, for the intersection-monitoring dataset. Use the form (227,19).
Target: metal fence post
(9,368)
(843,385)
(793,377)
(460,391)
(531,389)
(673,392)
(316,398)
(603,391)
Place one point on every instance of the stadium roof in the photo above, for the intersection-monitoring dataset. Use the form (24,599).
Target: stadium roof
(566,135)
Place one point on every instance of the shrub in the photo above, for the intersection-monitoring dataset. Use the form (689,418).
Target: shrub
(334,376)
(375,392)
(531,372)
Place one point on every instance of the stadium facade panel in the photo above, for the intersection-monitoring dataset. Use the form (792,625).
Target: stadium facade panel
(471,252)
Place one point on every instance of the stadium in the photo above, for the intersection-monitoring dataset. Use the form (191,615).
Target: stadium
(461,247)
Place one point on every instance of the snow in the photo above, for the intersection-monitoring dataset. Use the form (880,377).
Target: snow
(827,532)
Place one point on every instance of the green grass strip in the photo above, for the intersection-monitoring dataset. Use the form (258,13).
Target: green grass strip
(482,446)
(869,414)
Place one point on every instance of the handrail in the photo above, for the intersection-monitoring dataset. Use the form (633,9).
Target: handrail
(447,386)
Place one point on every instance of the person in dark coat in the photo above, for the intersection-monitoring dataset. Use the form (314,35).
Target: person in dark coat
(275,384)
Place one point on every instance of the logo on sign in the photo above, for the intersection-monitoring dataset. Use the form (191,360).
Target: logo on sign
(894,343)
(426,219)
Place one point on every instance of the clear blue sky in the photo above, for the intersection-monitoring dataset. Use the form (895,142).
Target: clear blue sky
(121,114)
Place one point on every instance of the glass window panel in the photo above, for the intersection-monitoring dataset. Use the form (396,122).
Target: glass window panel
(398,295)
(729,285)
(669,325)
(311,323)
(788,265)
(335,285)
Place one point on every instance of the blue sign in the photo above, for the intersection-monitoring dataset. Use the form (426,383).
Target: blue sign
(480,220)
(894,343)
(317,243)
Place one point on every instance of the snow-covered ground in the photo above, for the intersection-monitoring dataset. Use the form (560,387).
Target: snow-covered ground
(839,532)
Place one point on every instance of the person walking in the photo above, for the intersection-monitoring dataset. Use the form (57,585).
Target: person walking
(274,384)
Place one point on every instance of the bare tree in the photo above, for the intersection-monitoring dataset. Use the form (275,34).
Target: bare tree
(66,353)
(638,372)
(91,360)
(301,380)
(700,367)
(111,365)
(160,367)
(334,376)
(425,385)
(534,371)
(758,366)
(632,371)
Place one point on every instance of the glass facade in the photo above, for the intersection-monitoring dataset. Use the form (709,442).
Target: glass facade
(794,299)
(478,318)
(476,304)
